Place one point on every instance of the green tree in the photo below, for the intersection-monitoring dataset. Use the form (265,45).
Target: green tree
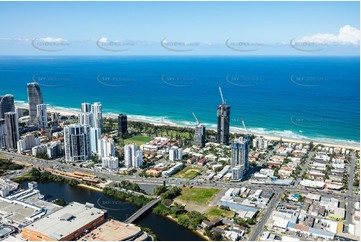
(8,165)
(241,222)
(162,210)
(130,186)
(73,182)
(311,145)
(34,174)
(60,202)
(184,221)
(177,209)
(195,218)
(171,193)
(159,190)
(167,202)
(151,233)
(95,158)
(216,236)
(251,221)
(226,208)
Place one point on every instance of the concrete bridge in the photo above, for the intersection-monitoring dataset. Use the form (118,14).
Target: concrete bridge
(142,210)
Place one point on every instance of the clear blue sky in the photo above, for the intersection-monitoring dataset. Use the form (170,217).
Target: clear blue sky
(206,22)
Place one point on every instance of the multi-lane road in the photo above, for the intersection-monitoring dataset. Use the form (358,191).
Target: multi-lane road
(348,197)
(40,163)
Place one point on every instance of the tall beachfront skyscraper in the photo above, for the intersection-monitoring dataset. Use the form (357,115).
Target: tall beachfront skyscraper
(200,135)
(77,142)
(239,155)
(35,98)
(19,111)
(223,116)
(2,134)
(95,135)
(122,124)
(91,116)
(42,116)
(96,109)
(86,118)
(85,107)
(6,104)
(12,130)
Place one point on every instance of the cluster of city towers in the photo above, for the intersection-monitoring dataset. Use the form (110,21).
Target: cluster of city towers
(83,139)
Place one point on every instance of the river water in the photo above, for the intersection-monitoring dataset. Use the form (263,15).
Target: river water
(164,228)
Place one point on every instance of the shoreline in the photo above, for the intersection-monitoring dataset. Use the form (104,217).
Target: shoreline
(194,231)
(89,187)
(84,186)
(167,217)
(69,112)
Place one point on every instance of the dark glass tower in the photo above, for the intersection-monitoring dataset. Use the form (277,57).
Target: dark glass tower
(35,98)
(6,104)
(12,130)
(223,115)
(123,124)
(2,134)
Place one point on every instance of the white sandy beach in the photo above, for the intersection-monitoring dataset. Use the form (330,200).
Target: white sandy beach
(69,112)
(271,137)
(64,112)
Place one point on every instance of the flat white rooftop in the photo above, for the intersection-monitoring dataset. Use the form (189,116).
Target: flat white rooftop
(113,230)
(15,213)
(66,220)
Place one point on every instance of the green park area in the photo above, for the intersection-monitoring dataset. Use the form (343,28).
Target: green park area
(139,140)
(197,195)
(188,172)
(215,212)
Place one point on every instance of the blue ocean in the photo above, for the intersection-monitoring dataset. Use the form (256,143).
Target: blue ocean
(310,98)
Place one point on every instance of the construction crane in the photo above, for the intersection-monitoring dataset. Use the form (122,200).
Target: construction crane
(196,118)
(220,91)
(247,133)
(244,126)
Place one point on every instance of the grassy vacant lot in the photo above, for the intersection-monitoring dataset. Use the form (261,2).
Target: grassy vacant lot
(188,172)
(197,195)
(139,140)
(215,212)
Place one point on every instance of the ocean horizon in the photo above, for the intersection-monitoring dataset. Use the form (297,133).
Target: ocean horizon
(307,98)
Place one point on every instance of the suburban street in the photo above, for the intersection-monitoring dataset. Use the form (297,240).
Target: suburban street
(304,167)
(270,153)
(350,203)
(266,214)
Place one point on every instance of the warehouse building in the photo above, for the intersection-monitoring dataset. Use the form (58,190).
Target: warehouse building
(68,223)
(113,230)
